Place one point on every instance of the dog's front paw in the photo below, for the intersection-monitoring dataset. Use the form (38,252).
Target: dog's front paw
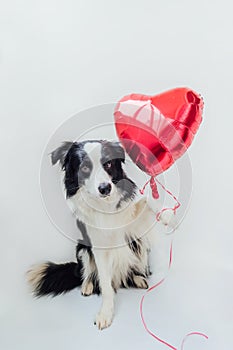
(140,282)
(87,288)
(168,218)
(104,319)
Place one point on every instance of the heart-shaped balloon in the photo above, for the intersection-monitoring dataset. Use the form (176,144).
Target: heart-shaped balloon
(156,130)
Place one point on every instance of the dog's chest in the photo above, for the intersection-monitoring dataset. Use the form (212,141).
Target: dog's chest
(119,262)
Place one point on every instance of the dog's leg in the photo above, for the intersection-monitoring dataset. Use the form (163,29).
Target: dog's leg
(105,315)
(89,274)
(87,287)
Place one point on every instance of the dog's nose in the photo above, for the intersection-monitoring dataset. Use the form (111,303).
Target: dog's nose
(104,188)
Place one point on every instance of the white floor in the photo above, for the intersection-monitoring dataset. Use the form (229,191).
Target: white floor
(57,58)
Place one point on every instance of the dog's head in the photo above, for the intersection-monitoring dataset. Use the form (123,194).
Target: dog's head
(95,168)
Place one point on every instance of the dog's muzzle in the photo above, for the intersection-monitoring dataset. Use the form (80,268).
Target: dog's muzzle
(104,189)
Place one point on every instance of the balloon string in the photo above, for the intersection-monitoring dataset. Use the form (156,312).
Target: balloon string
(144,322)
(142,190)
(177,205)
(154,188)
(156,195)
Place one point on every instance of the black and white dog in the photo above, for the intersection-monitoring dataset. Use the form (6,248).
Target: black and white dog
(116,226)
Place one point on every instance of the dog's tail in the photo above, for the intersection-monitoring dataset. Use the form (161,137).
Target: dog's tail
(54,279)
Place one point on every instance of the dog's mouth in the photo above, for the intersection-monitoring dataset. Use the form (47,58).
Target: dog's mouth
(104,196)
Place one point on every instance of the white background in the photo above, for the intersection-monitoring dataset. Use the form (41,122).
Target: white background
(58,57)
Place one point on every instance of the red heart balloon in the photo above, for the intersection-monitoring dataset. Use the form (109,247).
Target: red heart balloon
(157,130)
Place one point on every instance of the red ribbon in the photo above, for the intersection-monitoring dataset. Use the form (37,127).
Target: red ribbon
(154,188)
(144,322)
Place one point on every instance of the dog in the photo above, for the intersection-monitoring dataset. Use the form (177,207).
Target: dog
(117,227)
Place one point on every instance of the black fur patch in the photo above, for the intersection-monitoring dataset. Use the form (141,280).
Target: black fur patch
(80,246)
(112,157)
(85,242)
(135,246)
(75,159)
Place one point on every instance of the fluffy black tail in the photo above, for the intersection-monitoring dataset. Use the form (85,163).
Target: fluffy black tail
(54,279)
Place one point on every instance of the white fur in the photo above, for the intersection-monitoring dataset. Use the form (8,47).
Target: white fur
(98,174)
(35,274)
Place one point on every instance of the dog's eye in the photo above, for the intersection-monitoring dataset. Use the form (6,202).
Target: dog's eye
(108,165)
(85,169)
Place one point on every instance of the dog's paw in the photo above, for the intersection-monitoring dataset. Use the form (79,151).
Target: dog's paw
(168,218)
(140,282)
(87,288)
(103,319)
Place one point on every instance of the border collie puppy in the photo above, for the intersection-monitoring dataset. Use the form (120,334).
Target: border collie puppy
(116,226)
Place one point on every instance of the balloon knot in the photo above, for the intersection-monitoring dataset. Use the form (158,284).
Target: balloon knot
(154,188)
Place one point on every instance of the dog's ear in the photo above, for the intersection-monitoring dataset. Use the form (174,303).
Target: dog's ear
(117,151)
(60,153)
